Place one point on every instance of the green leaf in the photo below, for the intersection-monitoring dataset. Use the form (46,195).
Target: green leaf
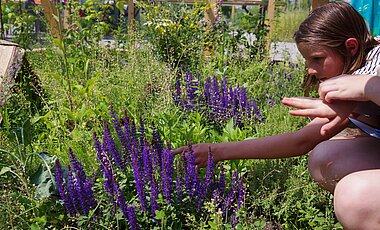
(213,225)
(43,177)
(34,226)
(160,214)
(58,43)
(5,170)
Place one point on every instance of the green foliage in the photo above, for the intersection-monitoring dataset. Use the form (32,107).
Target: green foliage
(27,186)
(90,24)
(177,32)
(21,20)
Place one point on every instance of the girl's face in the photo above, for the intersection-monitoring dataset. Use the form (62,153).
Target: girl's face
(321,61)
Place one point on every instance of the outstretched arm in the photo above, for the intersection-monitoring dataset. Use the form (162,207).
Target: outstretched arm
(272,147)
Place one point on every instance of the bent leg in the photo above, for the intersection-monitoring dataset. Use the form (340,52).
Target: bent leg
(357,200)
(331,160)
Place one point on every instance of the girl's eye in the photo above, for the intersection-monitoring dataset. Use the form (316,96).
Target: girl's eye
(317,58)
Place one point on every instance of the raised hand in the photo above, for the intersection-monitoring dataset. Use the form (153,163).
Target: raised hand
(345,87)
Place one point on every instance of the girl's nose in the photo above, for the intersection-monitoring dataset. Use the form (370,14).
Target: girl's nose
(311,71)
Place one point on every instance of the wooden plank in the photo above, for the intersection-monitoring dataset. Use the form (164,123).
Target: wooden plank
(316,3)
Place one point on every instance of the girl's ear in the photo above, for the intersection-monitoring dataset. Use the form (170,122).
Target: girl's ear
(352,46)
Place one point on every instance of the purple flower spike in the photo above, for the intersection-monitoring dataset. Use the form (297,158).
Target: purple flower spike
(177,94)
(138,175)
(72,191)
(191,177)
(78,179)
(210,170)
(132,218)
(62,188)
(153,196)
(119,131)
(83,185)
(241,196)
(111,147)
(167,174)
(147,162)
(207,90)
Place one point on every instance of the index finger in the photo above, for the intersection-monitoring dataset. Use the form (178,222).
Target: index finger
(180,150)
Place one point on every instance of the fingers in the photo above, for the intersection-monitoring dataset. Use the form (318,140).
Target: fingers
(327,88)
(330,125)
(199,161)
(180,150)
(303,112)
(330,96)
(299,102)
(292,102)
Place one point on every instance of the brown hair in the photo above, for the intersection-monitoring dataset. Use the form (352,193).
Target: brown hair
(331,25)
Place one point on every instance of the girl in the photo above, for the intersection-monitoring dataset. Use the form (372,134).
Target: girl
(334,40)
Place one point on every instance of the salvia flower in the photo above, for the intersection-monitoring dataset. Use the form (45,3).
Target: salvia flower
(210,171)
(120,133)
(132,218)
(111,147)
(167,173)
(154,170)
(219,101)
(62,189)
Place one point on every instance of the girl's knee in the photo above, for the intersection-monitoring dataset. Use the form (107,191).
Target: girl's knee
(354,203)
(318,160)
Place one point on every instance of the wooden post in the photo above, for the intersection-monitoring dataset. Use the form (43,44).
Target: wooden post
(66,14)
(52,17)
(210,20)
(316,3)
(271,8)
(210,12)
(131,14)
(232,10)
(2,33)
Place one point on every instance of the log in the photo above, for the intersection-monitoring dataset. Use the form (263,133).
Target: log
(10,63)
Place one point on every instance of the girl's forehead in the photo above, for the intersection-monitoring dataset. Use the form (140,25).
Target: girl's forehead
(306,48)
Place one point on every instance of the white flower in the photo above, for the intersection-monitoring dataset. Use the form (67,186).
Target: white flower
(234,33)
(251,38)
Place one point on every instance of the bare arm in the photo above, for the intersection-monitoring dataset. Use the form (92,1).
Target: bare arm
(272,147)
(371,89)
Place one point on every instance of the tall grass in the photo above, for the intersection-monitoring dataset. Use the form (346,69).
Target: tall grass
(286,23)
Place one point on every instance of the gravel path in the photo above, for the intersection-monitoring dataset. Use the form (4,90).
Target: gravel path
(285,51)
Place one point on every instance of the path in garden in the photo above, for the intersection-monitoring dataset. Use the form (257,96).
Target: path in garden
(280,51)
(285,51)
